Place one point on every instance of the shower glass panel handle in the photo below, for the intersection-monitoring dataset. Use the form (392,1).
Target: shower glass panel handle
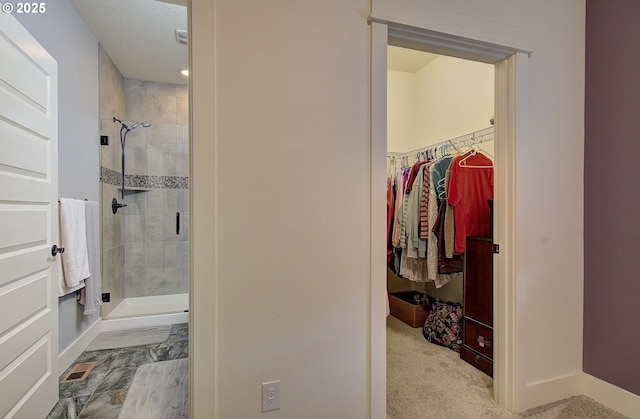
(177,223)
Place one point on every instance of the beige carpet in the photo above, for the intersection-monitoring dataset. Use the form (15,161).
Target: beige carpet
(427,381)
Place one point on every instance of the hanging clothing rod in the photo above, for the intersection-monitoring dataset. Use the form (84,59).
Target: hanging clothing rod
(467,140)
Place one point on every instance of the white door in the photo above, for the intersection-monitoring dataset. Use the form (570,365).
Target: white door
(28,224)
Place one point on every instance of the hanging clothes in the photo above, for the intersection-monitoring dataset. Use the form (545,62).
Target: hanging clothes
(449,227)
(438,176)
(390,212)
(412,213)
(433,272)
(436,205)
(418,243)
(401,181)
(446,265)
(470,189)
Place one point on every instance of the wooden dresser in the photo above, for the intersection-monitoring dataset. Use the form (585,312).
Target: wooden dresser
(477,321)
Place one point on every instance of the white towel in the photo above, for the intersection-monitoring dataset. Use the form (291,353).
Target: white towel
(62,287)
(75,260)
(91,295)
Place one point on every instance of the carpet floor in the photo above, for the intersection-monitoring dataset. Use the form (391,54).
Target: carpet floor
(427,381)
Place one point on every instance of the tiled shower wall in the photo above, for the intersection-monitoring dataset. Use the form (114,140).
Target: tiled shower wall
(111,104)
(143,253)
(156,219)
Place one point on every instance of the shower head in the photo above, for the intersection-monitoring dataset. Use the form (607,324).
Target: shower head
(132,126)
(124,130)
(136,124)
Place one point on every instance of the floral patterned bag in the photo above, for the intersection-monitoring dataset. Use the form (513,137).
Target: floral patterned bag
(443,325)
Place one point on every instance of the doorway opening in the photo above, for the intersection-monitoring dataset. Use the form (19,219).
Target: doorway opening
(385,33)
(144,161)
(440,111)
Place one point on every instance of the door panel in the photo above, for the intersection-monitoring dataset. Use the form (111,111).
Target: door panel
(28,224)
(23,224)
(23,151)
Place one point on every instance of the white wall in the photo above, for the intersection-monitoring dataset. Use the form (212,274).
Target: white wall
(281,184)
(550,204)
(291,179)
(447,98)
(65,36)
(402,94)
(457,98)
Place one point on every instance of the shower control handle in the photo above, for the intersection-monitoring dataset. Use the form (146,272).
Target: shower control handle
(115,205)
(177,222)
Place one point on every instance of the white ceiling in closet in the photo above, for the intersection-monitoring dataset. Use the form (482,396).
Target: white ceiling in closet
(407,60)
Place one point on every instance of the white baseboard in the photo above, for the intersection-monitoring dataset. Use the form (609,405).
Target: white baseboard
(559,388)
(69,355)
(611,396)
(548,391)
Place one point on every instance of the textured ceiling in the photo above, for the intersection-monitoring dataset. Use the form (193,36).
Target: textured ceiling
(139,36)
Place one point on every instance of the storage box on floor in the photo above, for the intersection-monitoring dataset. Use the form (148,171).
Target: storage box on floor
(409,306)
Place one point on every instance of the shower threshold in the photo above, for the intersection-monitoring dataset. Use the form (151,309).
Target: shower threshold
(149,306)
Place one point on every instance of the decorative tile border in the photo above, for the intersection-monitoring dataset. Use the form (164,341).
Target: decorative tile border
(143,181)
(110,177)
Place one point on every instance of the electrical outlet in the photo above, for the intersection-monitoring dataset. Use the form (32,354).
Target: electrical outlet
(271,396)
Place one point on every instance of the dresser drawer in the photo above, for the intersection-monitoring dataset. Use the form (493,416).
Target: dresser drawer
(477,360)
(478,337)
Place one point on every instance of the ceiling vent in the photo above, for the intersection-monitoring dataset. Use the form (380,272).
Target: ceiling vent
(181,36)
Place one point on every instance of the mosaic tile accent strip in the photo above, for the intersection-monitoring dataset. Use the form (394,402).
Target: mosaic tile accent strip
(157,182)
(143,181)
(109,176)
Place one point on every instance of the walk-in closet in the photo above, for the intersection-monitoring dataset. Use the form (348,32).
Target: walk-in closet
(440,148)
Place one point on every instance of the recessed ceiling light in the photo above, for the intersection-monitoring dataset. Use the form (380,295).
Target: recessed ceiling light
(184,71)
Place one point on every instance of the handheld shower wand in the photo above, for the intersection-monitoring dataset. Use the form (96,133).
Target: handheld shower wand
(124,130)
(131,127)
(135,125)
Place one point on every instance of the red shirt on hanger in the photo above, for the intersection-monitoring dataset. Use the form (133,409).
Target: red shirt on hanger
(470,187)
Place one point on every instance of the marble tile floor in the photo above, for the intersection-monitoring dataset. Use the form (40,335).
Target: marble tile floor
(128,338)
(103,393)
(159,391)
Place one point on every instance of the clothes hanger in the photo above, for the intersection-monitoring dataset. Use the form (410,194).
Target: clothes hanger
(472,153)
(484,152)
(443,194)
(475,149)
(392,166)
